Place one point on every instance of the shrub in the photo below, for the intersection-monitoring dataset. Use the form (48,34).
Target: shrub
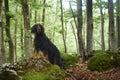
(100,62)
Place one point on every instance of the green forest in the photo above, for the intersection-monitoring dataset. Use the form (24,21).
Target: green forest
(81,39)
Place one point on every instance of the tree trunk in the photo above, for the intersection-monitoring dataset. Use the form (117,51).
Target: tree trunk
(21,38)
(27,34)
(2,48)
(11,46)
(39,14)
(73,14)
(102,27)
(56,18)
(118,23)
(89,36)
(35,13)
(43,15)
(77,45)
(1,61)
(73,30)
(63,34)
(79,29)
(15,35)
(0,24)
(112,41)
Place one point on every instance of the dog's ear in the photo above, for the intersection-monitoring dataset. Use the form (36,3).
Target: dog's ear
(33,29)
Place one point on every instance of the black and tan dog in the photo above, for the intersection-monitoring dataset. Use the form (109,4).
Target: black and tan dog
(42,43)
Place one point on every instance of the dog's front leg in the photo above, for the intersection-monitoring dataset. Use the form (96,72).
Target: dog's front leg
(43,56)
(35,54)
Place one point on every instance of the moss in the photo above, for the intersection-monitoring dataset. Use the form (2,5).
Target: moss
(51,72)
(32,75)
(100,62)
(116,60)
(48,73)
(103,61)
(69,60)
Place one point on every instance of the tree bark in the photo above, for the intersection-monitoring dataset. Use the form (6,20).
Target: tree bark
(76,40)
(15,35)
(22,38)
(43,14)
(11,46)
(79,29)
(27,34)
(1,61)
(63,34)
(77,45)
(102,27)
(89,36)
(0,24)
(35,13)
(3,56)
(118,23)
(2,47)
(56,17)
(112,41)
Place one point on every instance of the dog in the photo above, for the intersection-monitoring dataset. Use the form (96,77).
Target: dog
(43,43)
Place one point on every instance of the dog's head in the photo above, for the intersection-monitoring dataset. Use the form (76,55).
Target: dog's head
(37,29)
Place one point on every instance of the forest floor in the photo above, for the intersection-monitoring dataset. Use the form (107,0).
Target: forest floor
(80,72)
(42,70)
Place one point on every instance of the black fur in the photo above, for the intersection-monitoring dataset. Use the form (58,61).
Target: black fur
(42,42)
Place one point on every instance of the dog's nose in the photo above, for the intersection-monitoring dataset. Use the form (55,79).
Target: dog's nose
(39,28)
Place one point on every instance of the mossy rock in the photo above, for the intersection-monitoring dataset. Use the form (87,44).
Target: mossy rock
(69,60)
(116,60)
(100,62)
(52,72)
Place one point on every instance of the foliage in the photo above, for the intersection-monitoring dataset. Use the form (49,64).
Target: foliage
(69,60)
(48,73)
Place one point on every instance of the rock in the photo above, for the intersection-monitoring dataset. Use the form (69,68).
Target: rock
(11,71)
(7,74)
(40,65)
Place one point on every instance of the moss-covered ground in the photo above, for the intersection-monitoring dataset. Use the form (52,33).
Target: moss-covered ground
(51,72)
